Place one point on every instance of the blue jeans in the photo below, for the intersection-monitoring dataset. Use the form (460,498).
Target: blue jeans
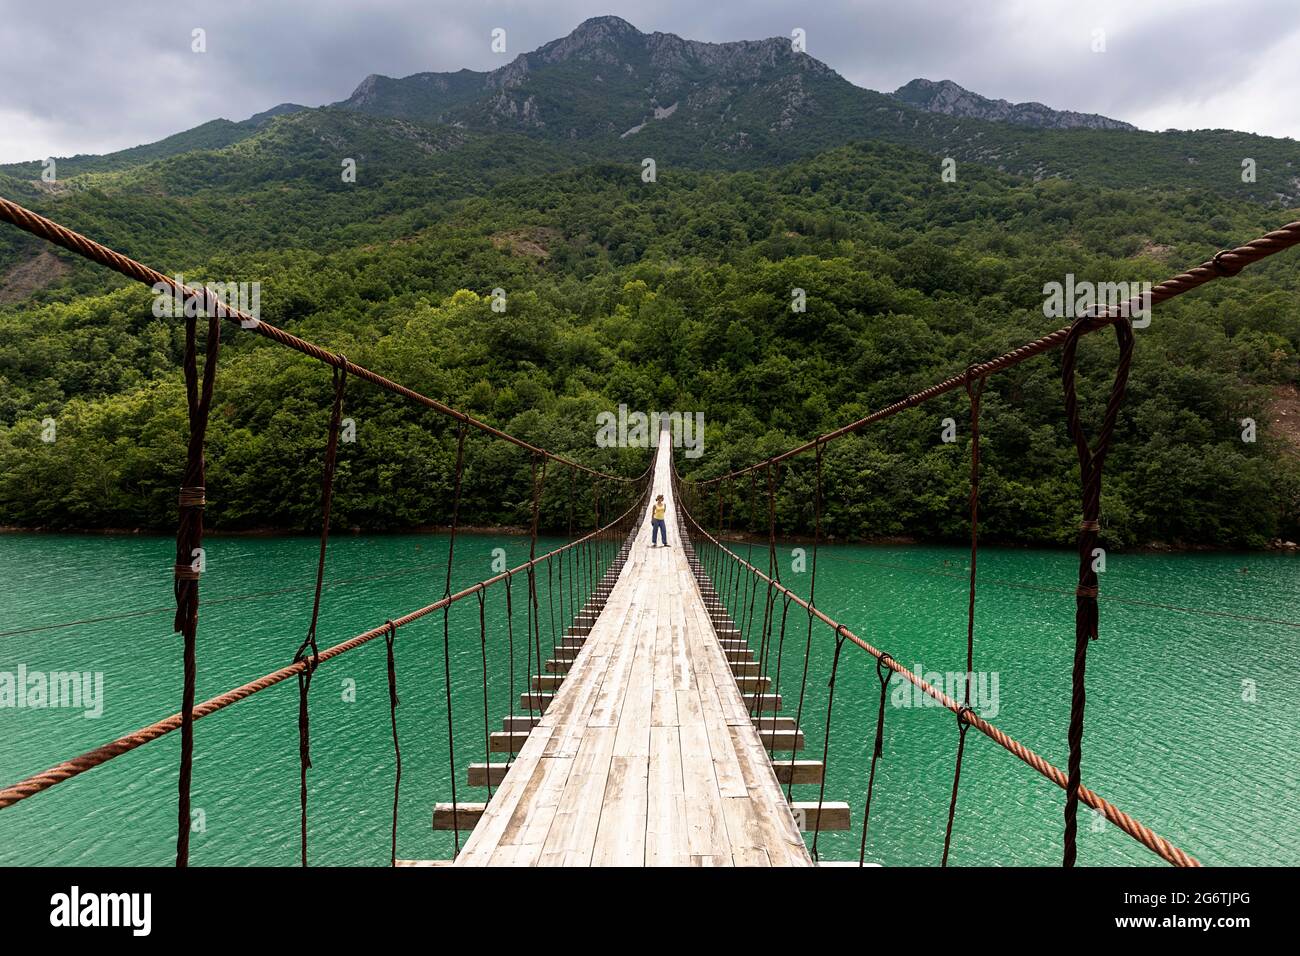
(657,528)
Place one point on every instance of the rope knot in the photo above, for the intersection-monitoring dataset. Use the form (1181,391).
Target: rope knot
(964,714)
(192,496)
(1222,267)
(1089,592)
(1091,524)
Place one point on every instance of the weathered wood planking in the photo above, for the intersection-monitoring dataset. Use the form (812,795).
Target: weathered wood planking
(646,753)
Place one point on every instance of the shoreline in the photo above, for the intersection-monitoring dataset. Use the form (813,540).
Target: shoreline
(1154,547)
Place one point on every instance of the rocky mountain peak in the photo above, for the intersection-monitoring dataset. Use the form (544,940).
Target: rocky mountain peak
(945,96)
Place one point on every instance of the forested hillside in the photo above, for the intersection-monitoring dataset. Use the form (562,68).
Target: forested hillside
(665,295)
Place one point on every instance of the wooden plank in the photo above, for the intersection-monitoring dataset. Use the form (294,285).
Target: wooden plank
(520,722)
(447,816)
(572,835)
(634,718)
(706,829)
(781,739)
(621,833)
(478,848)
(798,771)
(773,722)
(834,815)
(521,841)
(750,856)
(507,741)
(666,841)
(485,774)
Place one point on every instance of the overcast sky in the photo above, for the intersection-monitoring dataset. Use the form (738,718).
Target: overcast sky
(92,76)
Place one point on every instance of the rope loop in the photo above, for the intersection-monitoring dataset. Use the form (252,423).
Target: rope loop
(883,662)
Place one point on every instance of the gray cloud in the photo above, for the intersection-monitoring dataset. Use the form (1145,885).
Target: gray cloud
(93,77)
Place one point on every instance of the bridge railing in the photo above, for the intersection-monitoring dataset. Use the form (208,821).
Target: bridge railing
(585,559)
(716,499)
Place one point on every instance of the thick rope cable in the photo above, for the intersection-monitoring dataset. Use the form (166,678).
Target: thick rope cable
(40,782)
(59,235)
(1139,831)
(1223,264)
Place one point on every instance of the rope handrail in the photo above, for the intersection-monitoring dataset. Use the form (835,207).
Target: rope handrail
(37,783)
(51,231)
(1139,831)
(1229,262)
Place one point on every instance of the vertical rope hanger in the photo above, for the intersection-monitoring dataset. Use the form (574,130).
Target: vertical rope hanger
(774,574)
(446,632)
(1091,461)
(883,673)
(826,742)
(397,747)
(510,637)
(487,727)
(534,611)
(305,675)
(192,500)
(812,587)
(974,393)
(528,606)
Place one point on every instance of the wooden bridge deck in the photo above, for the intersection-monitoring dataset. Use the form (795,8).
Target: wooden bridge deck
(647,754)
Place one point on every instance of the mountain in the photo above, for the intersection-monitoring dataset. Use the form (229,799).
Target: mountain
(214,134)
(774,173)
(607,82)
(607,91)
(948,98)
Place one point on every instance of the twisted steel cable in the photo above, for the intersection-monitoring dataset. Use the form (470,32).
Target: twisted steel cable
(1138,831)
(1229,262)
(51,231)
(40,782)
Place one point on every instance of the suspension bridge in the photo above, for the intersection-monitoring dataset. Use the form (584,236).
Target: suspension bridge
(664,724)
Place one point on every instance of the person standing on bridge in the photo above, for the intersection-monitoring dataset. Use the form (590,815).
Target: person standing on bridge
(658,528)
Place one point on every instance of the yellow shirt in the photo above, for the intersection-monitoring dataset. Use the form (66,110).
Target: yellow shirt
(659,510)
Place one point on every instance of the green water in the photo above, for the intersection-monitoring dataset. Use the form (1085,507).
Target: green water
(1169,736)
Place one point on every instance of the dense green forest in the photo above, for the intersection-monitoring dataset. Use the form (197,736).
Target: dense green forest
(666,295)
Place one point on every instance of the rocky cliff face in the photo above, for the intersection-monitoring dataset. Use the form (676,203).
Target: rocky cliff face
(948,98)
(607,77)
